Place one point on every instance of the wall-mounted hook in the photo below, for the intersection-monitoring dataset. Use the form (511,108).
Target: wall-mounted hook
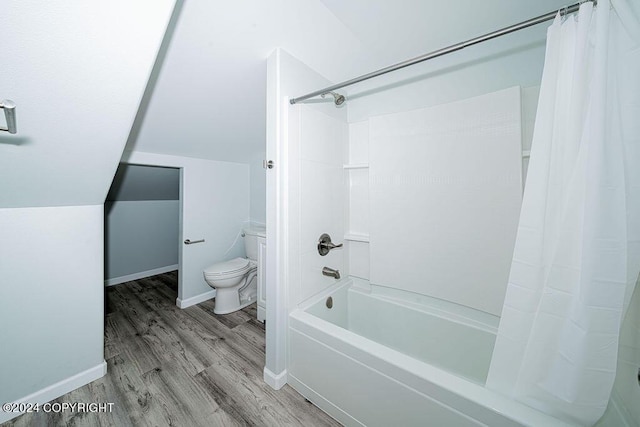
(9,108)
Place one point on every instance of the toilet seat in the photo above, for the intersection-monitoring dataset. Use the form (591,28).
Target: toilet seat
(231,268)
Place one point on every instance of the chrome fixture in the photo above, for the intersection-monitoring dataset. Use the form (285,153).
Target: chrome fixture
(9,108)
(331,272)
(440,52)
(191,242)
(325,245)
(329,302)
(337,98)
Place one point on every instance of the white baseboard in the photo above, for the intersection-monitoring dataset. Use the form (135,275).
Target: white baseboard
(141,275)
(262,314)
(276,382)
(184,303)
(56,390)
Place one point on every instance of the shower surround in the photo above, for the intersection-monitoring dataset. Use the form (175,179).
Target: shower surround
(415,350)
(427,202)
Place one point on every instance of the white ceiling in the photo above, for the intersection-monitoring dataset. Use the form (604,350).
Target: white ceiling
(209,99)
(400,29)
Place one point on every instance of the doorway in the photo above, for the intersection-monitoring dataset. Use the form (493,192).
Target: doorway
(141,223)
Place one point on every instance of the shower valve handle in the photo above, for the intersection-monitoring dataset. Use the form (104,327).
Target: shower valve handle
(325,244)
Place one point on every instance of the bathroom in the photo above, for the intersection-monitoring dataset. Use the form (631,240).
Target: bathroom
(418,176)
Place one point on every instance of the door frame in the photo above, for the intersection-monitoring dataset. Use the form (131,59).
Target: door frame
(125,161)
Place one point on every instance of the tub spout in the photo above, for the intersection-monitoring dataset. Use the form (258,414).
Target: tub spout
(331,272)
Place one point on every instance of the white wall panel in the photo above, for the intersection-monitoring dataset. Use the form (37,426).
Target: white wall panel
(359,142)
(51,296)
(358,221)
(286,77)
(445,187)
(323,142)
(258,184)
(359,259)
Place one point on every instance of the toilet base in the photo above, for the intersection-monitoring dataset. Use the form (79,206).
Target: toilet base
(233,299)
(240,307)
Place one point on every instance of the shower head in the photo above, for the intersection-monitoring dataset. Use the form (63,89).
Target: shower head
(337,98)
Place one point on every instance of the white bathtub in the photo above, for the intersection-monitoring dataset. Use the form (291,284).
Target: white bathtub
(375,359)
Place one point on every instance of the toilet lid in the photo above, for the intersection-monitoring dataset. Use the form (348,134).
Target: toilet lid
(227,267)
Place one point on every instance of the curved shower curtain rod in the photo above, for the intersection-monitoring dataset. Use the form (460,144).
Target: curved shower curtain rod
(440,52)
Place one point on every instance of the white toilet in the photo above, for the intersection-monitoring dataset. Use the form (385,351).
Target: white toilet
(235,280)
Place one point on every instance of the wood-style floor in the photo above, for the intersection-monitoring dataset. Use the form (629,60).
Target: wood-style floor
(173,367)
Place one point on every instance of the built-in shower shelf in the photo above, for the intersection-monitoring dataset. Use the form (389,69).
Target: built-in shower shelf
(357,166)
(357,237)
(526,153)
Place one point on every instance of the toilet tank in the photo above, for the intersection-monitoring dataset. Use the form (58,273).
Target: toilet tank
(251,235)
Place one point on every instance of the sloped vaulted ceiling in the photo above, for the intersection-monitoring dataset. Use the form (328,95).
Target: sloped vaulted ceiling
(209,100)
(210,96)
(76,71)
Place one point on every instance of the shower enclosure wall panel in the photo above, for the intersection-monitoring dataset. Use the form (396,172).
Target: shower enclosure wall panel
(358,259)
(318,144)
(357,199)
(445,196)
(359,143)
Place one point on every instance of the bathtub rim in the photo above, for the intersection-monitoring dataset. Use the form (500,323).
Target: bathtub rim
(339,339)
(460,314)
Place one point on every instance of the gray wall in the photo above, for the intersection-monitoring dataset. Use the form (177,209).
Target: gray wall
(142,218)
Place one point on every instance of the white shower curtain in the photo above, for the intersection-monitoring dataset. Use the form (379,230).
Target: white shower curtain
(577,252)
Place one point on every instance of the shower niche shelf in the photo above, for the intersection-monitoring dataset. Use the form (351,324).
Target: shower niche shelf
(357,237)
(356,166)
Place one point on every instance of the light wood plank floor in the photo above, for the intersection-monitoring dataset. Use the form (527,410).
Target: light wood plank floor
(174,367)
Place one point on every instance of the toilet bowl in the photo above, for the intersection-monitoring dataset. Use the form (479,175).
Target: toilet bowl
(231,279)
(235,280)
